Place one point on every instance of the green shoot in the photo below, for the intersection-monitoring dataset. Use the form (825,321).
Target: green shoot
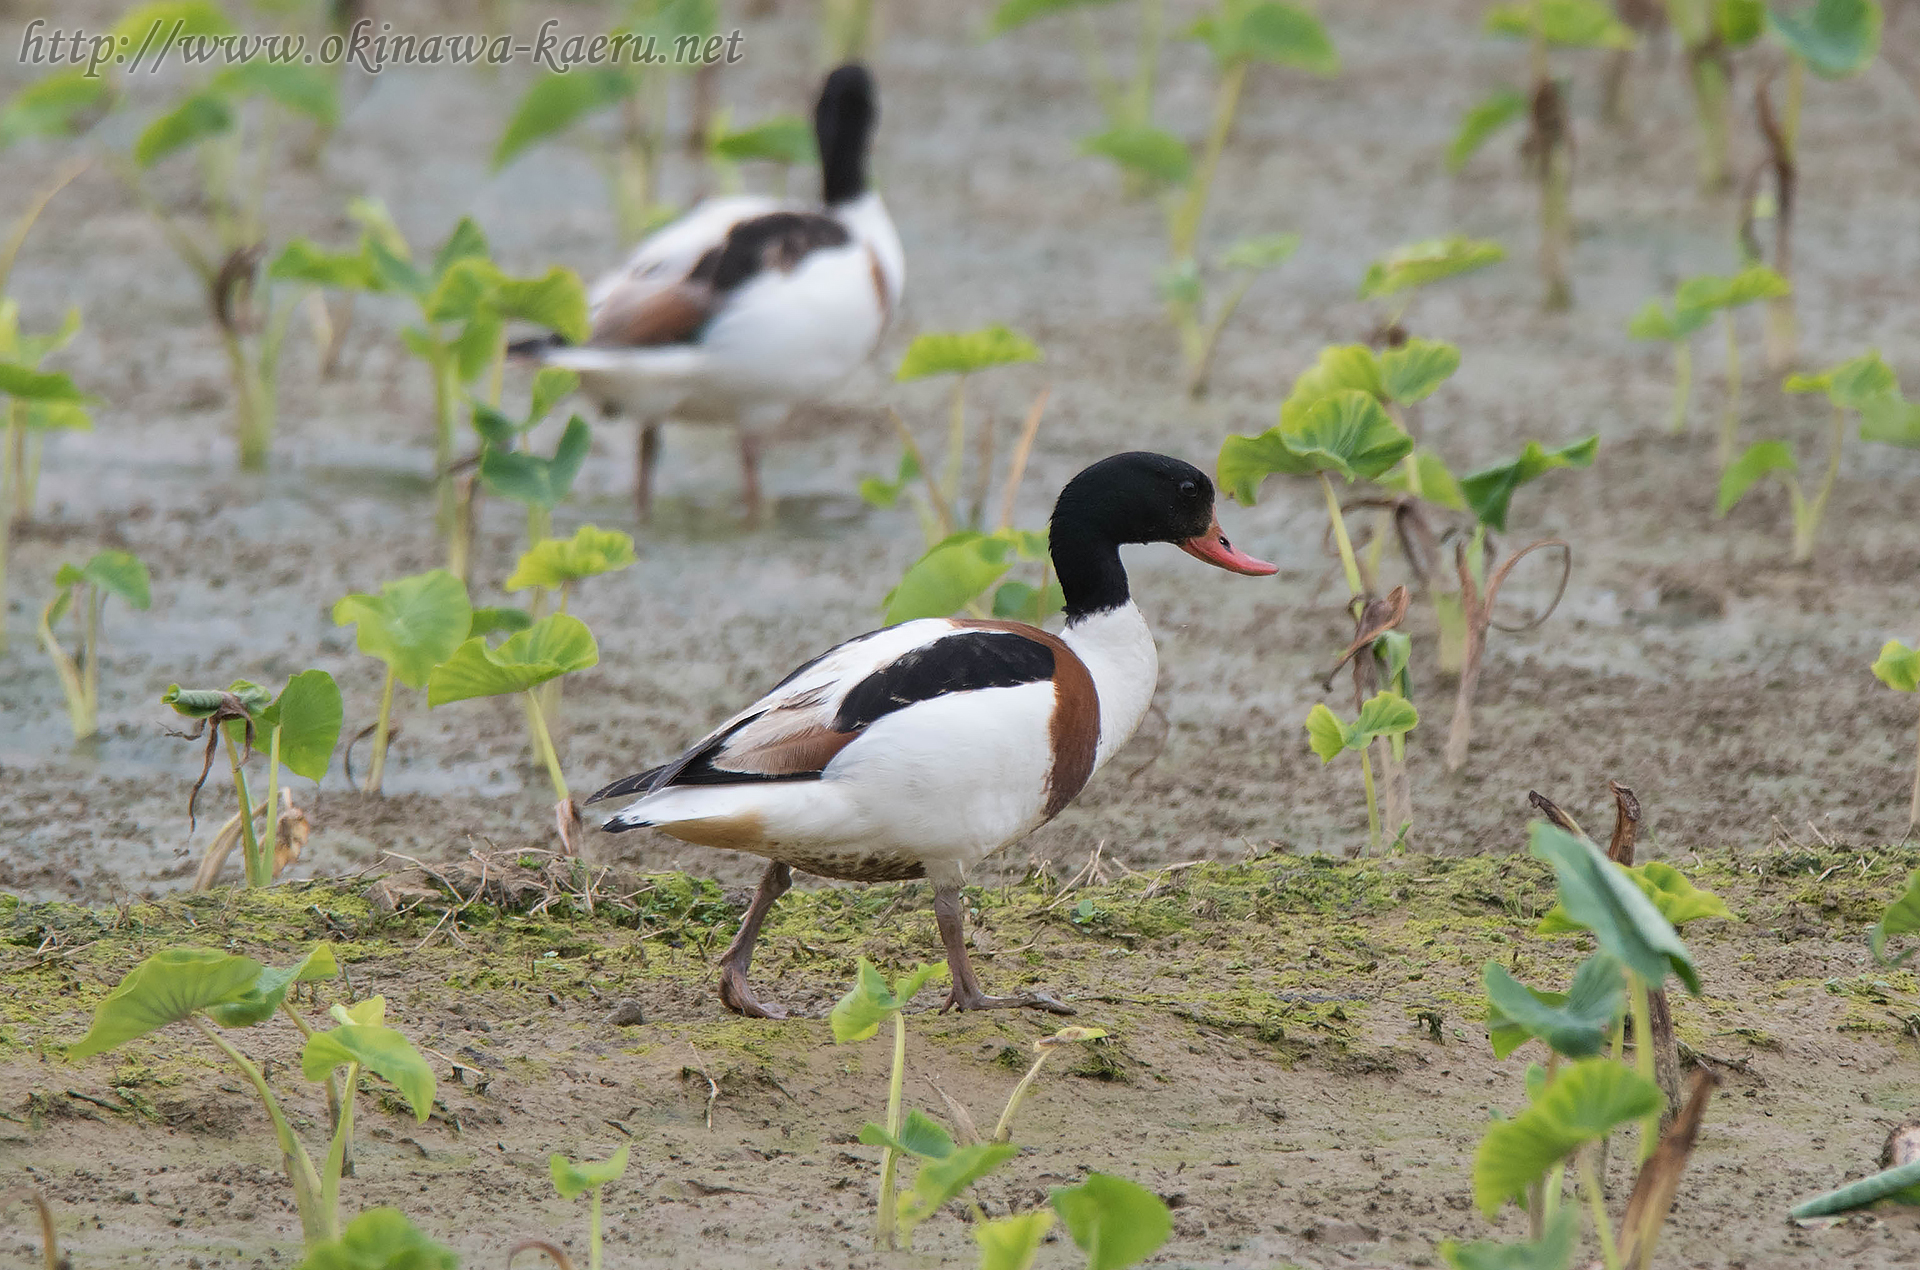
(1902,917)
(1898,667)
(379,1239)
(539,484)
(1012,1243)
(1117,1223)
(83,590)
(1711,294)
(1420,264)
(413,625)
(300,728)
(1043,1048)
(217,992)
(571,1179)
(1653,322)
(1865,385)
(1386,714)
(556,645)
(553,566)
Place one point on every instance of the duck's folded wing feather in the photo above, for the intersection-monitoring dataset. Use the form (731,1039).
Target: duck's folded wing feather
(796,730)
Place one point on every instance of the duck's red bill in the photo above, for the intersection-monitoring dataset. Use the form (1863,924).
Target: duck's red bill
(1214,548)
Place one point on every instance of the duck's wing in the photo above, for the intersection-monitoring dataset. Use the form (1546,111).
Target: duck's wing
(797,729)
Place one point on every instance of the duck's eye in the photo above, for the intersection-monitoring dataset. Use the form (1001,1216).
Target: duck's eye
(1188,487)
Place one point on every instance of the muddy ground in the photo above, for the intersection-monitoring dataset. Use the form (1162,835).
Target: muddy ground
(1688,659)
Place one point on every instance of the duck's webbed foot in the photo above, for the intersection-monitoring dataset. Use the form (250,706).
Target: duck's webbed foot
(965,993)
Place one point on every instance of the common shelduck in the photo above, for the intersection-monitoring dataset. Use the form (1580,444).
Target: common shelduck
(747,305)
(920,749)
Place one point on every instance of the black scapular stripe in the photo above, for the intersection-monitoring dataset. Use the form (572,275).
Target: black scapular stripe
(778,240)
(965,662)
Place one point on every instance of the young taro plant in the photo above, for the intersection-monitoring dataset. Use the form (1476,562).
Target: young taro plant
(413,625)
(464,302)
(1239,34)
(553,646)
(1835,39)
(519,475)
(1584,1095)
(1386,714)
(574,1179)
(1420,264)
(636,97)
(554,566)
(219,992)
(1710,32)
(300,728)
(1711,294)
(379,1239)
(786,141)
(963,559)
(1864,385)
(83,590)
(1548,148)
(1898,667)
(1127,106)
(1676,329)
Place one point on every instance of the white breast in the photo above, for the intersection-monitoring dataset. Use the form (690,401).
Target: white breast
(1118,650)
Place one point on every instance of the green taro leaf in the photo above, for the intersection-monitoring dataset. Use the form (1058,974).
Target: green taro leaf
(556,299)
(306,90)
(1280,34)
(1653,322)
(118,573)
(308,714)
(380,1239)
(28,384)
(554,102)
(51,106)
(200,116)
(1587,1101)
(1424,263)
(466,242)
(1017,601)
(1489,492)
(203,703)
(1755,282)
(859,1014)
(1338,368)
(1600,896)
(551,385)
(1480,123)
(66,416)
(1901,918)
(1348,433)
(1011,1243)
(1678,899)
(166,17)
(783,139)
(557,644)
(574,1180)
(1152,152)
(1386,713)
(1575,1023)
(1759,459)
(1852,384)
(1424,474)
(171,985)
(270,988)
(530,479)
(380,1050)
(494,619)
(1326,733)
(413,625)
(554,562)
(1888,419)
(1411,372)
(939,1181)
(919,1136)
(303,261)
(1835,38)
(1554,1251)
(1260,252)
(953,572)
(1567,23)
(1117,1223)
(1898,667)
(879,492)
(1017,13)
(1739,22)
(962,353)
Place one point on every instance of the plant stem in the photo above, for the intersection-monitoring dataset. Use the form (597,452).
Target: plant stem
(269,849)
(1730,421)
(593,1244)
(90,662)
(445,391)
(1341,540)
(1373,804)
(1200,363)
(69,673)
(1643,1056)
(543,744)
(1004,1130)
(1913,811)
(259,871)
(1710,113)
(956,447)
(1807,513)
(1184,225)
(1597,1204)
(337,1149)
(889,1159)
(333,1084)
(1682,384)
(1146,61)
(381,729)
(316,1223)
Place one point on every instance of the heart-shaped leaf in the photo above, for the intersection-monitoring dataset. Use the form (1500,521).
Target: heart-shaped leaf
(554,102)
(1852,384)
(1260,252)
(196,118)
(528,478)
(1566,23)
(1339,368)
(1898,667)
(1653,322)
(1483,120)
(573,1179)
(939,1181)
(1889,419)
(782,139)
(1425,474)
(28,384)
(303,261)
(1553,1251)
(554,562)
(1585,1102)
(1412,371)
(118,573)
(270,988)
(1835,38)
(308,713)
(492,619)
(859,1014)
(1265,31)
(51,106)
(1575,1023)
(164,18)
(305,90)
(413,625)
(379,1239)
(1348,433)
(1901,918)
(953,572)
(1600,896)
(1152,152)
(963,353)
(1017,13)
(1489,492)
(1759,459)
(171,985)
(1117,1223)
(1011,1243)
(1424,263)
(556,645)
(1386,713)
(920,1136)
(380,1050)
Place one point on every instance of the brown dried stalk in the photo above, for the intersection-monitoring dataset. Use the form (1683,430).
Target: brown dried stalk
(1659,1180)
(1478,608)
(551,1250)
(49,1238)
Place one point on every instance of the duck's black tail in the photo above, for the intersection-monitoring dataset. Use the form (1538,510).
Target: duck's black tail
(535,346)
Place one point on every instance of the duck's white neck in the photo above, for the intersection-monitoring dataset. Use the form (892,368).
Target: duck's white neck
(1118,650)
(866,219)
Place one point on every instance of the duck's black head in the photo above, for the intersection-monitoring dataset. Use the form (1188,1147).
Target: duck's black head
(843,122)
(1134,497)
